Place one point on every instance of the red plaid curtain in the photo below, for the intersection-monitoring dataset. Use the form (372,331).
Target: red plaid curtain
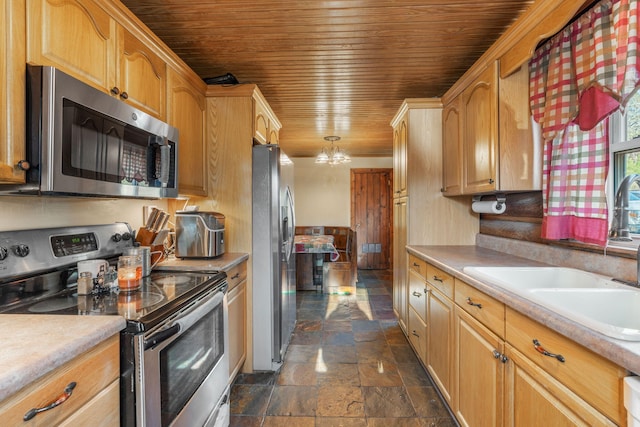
(577,79)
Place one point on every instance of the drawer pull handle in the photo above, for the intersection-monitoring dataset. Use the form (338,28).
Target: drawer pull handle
(59,401)
(235,276)
(473,304)
(415,334)
(541,350)
(417,294)
(437,279)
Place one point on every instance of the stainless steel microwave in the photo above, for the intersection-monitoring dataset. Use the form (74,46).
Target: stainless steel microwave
(81,141)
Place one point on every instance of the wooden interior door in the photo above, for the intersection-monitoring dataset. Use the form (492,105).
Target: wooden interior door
(371,216)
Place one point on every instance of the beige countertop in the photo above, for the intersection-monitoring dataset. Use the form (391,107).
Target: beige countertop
(34,345)
(452,259)
(223,262)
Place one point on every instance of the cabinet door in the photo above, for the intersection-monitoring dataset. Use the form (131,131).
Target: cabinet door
(479,374)
(187,112)
(237,328)
(418,294)
(520,160)
(535,398)
(78,37)
(480,138)
(143,76)
(451,149)
(12,98)
(440,341)
(400,136)
(400,286)
(417,334)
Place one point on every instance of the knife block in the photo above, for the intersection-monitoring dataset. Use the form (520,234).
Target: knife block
(145,238)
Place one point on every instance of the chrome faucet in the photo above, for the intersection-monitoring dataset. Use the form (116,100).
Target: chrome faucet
(620,224)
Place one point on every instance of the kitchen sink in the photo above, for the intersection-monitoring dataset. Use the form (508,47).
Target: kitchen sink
(523,278)
(613,312)
(590,299)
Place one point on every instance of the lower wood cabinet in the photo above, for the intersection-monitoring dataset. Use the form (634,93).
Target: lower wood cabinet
(479,373)
(535,398)
(237,303)
(400,285)
(487,360)
(95,399)
(440,334)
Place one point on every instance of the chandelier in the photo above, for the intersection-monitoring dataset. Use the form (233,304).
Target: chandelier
(334,155)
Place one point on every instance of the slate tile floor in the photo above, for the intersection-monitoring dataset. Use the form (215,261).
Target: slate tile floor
(348,364)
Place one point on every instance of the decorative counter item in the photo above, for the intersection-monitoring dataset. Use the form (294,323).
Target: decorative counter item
(129,273)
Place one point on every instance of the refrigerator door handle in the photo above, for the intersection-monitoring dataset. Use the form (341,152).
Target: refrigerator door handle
(290,231)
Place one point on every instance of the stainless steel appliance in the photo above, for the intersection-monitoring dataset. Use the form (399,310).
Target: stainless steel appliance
(81,141)
(174,361)
(199,234)
(273,260)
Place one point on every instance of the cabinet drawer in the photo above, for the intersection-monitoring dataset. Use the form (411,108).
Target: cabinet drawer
(440,280)
(237,274)
(592,377)
(486,310)
(418,334)
(418,265)
(92,372)
(417,294)
(101,411)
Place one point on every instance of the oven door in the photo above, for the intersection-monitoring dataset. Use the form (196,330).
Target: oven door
(186,367)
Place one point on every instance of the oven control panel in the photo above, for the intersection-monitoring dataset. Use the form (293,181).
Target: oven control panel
(25,252)
(73,244)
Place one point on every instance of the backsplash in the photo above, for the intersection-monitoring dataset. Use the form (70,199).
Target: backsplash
(608,265)
(25,212)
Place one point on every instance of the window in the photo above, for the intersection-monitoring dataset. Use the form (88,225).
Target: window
(625,157)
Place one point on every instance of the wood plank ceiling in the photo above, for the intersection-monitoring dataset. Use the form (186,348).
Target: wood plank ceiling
(332,67)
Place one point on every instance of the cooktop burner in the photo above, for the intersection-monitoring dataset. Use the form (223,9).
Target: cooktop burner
(158,294)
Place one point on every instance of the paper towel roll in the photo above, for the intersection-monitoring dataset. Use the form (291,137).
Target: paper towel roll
(490,207)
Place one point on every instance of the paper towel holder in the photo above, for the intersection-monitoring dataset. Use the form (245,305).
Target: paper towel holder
(500,198)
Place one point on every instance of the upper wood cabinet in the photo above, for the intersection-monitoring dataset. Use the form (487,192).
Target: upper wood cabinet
(480,138)
(12,90)
(451,149)
(142,79)
(187,112)
(400,136)
(266,127)
(82,39)
(492,148)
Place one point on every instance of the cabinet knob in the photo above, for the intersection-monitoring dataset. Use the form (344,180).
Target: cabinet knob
(417,294)
(124,95)
(491,181)
(115,91)
(23,165)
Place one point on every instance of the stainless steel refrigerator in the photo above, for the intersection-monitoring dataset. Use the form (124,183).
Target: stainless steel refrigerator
(273,257)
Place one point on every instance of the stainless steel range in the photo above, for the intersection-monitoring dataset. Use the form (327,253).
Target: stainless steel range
(174,366)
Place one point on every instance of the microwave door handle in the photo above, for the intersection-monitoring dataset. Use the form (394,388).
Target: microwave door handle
(165,163)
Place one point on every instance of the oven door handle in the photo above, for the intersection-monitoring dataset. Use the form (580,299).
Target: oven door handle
(186,321)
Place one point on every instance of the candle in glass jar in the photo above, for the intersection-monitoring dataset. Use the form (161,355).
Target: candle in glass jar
(129,272)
